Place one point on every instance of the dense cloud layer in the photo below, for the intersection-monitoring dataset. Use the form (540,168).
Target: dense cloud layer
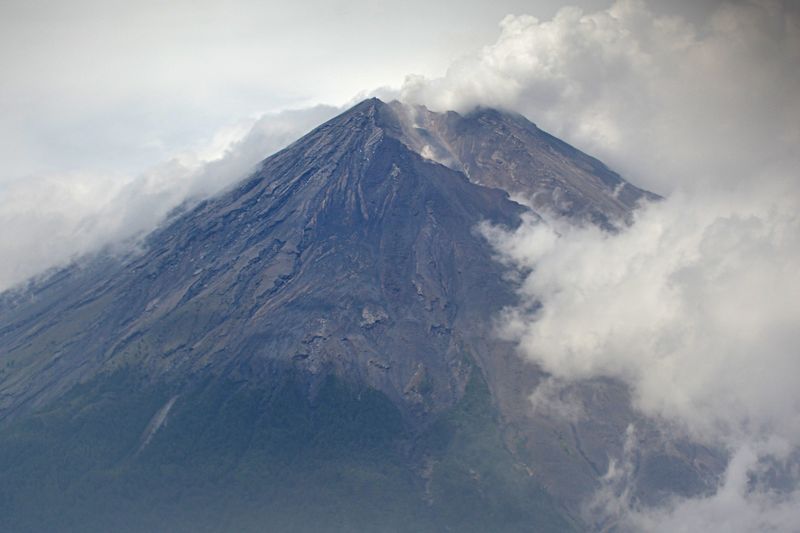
(696,306)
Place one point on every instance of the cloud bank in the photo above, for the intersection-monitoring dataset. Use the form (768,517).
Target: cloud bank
(696,305)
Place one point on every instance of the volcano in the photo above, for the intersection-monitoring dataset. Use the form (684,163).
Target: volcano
(313,350)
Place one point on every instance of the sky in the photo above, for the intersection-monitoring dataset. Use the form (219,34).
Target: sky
(118,86)
(115,85)
(114,113)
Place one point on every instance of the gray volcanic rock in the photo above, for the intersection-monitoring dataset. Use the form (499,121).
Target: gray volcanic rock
(507,151)
(350,255)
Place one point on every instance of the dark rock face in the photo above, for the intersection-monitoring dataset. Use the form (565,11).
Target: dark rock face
(346,256)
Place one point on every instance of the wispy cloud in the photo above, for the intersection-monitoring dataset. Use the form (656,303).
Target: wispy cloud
(695,307)
(46,221)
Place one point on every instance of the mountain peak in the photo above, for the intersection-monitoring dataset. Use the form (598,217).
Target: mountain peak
(493,148)
(373,110)
(368,103)
(337,300)
(334,237)
(505,150)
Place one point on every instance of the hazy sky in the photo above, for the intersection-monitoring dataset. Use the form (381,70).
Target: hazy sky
(118,85)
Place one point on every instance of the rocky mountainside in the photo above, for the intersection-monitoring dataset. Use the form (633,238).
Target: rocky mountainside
(343,254)
(316,344)
(507,151)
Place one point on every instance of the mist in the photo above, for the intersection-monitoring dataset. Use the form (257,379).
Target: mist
(49,220)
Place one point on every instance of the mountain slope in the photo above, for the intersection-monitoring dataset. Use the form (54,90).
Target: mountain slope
(344,253)
(312,348)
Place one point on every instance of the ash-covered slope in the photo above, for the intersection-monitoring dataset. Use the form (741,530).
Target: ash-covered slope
(507,151)
(312,349)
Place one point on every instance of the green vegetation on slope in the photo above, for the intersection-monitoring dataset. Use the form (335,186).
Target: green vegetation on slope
(240,457)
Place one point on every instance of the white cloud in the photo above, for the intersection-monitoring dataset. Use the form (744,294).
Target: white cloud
(697,306)
(743,502)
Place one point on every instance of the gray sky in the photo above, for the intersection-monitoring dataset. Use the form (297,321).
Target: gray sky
(117,86)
